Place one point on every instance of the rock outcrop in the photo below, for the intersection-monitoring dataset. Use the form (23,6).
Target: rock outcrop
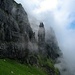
(41,39)
(15,30)
(17,39)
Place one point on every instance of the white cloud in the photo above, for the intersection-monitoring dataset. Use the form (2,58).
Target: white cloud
(46,5)
(58,14)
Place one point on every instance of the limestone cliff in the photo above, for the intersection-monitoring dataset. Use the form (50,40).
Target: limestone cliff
(15,30)
(17,39)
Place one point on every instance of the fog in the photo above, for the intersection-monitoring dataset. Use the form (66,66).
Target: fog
(60,15)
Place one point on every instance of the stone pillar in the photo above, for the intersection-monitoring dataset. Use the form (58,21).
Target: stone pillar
(41,39)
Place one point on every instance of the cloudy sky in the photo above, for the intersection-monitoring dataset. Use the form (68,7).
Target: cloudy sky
(60,14)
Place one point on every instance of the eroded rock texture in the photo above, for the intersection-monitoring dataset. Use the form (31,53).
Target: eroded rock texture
(41,39)
(15,30)
(17,40)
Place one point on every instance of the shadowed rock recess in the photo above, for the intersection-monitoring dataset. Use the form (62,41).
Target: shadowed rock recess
(17,39)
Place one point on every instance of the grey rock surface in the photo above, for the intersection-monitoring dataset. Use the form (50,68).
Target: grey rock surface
(15,30)
(17,38)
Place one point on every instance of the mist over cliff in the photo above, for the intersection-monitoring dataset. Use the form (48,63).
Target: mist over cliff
(61,18)
(26,41)
(30,29)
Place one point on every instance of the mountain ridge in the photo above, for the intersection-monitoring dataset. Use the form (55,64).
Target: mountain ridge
(18,41)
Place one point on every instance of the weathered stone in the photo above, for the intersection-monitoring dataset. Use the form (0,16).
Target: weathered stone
(16,36)
(15,30)
(41,39)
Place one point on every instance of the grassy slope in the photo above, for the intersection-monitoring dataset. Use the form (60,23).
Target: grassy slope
(10,67)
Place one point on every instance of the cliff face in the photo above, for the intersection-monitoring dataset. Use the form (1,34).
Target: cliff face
(52,47)
(15,30)
(17,39)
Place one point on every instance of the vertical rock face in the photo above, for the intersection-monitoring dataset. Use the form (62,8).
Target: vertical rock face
(15,30)
(17,39)
(16,35)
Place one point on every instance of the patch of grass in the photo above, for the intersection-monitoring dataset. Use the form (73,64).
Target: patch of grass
(11,67)
(50,63)
(56,71)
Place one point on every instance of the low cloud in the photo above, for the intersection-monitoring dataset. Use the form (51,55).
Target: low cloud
(60,16)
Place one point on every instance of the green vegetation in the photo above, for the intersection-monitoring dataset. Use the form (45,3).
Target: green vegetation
(56,71)
(48,65)
(10,67)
